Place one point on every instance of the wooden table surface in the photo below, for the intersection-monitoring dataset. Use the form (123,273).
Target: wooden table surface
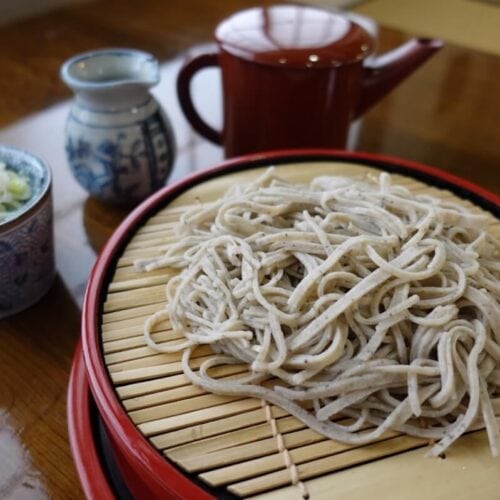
(446,114)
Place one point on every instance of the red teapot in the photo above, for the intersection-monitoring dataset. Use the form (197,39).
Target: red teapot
(295,76)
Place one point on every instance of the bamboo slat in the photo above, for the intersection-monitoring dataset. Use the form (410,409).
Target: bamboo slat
(131,327)
(227,441)
(131,284)
(185,406)
(149,240)
(466,473)
(167,396)
(246,452)
(133,298)
(130,273)
(197,416)
(158,385)
(300,453)
(214,427)
(247,435)
(155,360)
(132,312)
(151,372)
(113,346)
(135,332)
(159,398)
(327,464)
(151,387)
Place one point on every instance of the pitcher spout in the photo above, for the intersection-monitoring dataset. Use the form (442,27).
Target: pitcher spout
(113,77)
(386,71)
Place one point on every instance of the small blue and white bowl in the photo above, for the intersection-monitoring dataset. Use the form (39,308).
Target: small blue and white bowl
(27,267)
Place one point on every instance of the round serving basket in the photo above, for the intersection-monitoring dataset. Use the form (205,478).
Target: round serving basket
(172,440)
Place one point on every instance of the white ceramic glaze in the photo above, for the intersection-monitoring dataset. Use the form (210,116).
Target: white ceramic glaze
(119,142)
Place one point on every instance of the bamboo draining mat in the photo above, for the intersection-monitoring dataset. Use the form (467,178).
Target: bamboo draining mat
(228,441)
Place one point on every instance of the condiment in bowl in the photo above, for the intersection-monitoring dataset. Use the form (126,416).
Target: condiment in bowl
(26,234)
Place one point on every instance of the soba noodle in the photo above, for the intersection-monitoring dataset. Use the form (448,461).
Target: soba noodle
(351,298)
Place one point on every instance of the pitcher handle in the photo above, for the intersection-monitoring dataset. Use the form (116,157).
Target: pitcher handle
(184,93)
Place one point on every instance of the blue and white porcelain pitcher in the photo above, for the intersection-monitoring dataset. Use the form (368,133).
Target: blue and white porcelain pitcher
(119,142)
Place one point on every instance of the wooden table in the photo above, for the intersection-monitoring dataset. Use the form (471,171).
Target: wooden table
(445,115)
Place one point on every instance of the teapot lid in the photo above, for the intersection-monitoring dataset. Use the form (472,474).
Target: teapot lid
(294,36)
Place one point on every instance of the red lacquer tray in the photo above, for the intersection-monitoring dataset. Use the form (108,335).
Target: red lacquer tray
(87,454)
(146,472)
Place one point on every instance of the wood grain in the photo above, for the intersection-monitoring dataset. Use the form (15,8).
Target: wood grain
(35,359)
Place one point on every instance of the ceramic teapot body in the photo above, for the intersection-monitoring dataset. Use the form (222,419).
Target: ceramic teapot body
(295,76)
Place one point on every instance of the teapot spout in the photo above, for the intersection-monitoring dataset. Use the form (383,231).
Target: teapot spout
(386,71)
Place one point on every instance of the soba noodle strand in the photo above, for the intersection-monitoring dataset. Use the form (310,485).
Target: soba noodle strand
(348,297)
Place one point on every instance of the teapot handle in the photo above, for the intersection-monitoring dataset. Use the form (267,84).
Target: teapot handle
(184,93)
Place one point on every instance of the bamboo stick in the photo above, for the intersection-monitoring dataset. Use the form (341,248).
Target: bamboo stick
(123,344)
(165,384)
(137,333)
(233,438)
(242,450)
(159,227)
(134,298)
(151,387)
(197,417)
(143,251)
(135,325)
(157,359)
(324,465)
(156,229)
(146,292)
(132,312)
(151,240)
(129,260)
(169,213)
(468,472)
(248,451)
(152,372)
(146,352)
(184,407)
(130,273)
(214,427)
(142,281)
(167,396)
(301,450)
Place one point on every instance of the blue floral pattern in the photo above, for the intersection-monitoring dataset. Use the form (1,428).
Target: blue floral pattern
(27,257)
(123,164)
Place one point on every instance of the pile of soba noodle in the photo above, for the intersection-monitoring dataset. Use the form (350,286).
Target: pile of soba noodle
(343,298)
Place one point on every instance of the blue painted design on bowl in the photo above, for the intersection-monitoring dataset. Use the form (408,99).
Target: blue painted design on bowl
(26,239)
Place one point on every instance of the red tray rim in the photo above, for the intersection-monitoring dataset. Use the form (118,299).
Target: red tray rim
(145,459)
(81,436)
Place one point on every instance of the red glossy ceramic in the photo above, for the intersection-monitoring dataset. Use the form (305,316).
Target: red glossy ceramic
(92,477)
(294,77)
(145,471)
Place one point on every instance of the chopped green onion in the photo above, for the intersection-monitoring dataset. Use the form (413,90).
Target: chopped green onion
(14,190)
